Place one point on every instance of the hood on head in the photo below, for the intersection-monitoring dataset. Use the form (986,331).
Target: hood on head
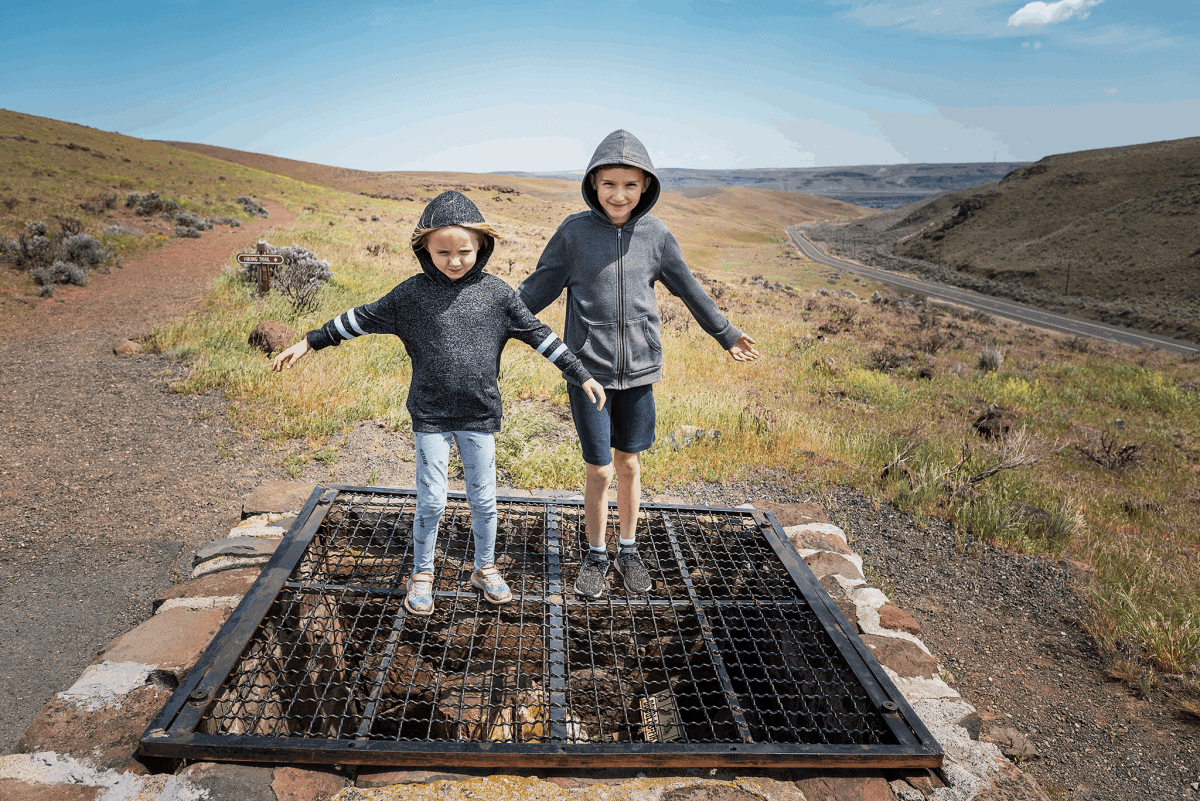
(621,148)
(452,208)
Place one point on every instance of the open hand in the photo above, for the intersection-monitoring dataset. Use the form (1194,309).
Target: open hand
(743,350)
(595,392)
(289,357)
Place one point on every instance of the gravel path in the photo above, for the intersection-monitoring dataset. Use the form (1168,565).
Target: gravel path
(108,480)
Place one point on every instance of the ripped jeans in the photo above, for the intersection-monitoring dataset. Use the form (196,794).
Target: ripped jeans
(478,453)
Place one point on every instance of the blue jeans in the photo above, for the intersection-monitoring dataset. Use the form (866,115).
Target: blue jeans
(478,453)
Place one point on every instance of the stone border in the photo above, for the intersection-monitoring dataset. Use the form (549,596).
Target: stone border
(82,743)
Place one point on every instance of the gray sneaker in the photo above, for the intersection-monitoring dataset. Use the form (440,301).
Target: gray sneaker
(593,575)
(633,569)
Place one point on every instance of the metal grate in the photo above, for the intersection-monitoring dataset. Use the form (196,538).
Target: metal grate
(736,656)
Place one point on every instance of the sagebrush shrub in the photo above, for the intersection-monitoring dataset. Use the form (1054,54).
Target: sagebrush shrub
(61,272)
(189,220)
(232,222)
(250,206)
(186,232)
(990,360)
(84,249)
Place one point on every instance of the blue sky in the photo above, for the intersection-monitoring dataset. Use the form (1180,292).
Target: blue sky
(711,84)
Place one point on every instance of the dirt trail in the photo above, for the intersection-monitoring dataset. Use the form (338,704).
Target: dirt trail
(106,475)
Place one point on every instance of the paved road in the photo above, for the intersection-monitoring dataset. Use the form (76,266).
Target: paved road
(1028,315)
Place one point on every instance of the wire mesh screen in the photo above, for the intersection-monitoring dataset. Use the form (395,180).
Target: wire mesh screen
(732,651)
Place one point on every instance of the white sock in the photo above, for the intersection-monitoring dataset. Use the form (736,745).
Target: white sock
(624,543)
(594,549)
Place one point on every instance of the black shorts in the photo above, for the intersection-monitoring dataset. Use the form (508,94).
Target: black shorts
(626,422)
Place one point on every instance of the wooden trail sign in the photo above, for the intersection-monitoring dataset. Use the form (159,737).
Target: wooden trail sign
(264,261)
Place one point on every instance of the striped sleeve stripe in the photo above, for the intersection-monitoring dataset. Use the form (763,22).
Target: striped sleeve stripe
(354,322)
(337,322)
(547,343)
(559,351)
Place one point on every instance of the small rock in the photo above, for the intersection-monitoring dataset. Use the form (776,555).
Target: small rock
(1011,742)
(893,617)
(903,656)
(127,347)
(861,785)
(171,641)
(824,563)
(793,514)
(271,337)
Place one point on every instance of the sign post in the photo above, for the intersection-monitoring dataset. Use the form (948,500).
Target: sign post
(264,261)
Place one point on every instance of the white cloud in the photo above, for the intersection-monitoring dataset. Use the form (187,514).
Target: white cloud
(1037,13)
(1110,90)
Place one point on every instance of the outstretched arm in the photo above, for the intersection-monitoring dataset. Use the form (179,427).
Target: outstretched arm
(289,357)
(743,350)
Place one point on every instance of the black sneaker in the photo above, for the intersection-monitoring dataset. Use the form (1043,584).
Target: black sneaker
(633,569)
(593,575)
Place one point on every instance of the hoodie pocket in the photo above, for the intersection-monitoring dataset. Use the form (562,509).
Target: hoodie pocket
(599,349)
(642,346)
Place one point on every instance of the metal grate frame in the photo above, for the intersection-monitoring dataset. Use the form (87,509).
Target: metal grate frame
(736,657)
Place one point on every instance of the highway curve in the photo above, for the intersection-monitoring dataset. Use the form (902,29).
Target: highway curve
(1008,309)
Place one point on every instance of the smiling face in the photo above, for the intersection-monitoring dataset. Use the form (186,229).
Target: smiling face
(619,189)
(453,250)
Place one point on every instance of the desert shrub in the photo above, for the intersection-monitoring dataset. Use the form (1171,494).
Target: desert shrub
(152,203)
(250,206)
(989,360)
(84,250)
(1105,449)
(189,220)
(116,229)
(232,222)
(61,272)
(1078,344)
(132,199)
(186,232)
(34,250)
(885,360)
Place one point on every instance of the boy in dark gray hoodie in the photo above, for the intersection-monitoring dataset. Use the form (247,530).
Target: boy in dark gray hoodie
(608,259)
(454,320)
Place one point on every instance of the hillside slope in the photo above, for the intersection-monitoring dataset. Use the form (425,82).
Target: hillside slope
(1112,234)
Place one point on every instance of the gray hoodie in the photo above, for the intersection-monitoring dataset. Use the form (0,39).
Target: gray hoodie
(609,274)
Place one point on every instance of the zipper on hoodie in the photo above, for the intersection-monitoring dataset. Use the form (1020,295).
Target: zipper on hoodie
(620,315)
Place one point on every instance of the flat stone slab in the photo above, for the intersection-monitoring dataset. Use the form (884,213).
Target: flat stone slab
(170,641)
(13,790)
(214,585)
(233,553)
(902,656)
(804,538)
(224,780)
(307,784)
(383,777)
(242,547)
(824,563)
(106,735)
(267,524)
(277,496)
(794,514)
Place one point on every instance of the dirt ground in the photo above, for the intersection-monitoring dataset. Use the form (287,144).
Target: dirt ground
(109,480)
